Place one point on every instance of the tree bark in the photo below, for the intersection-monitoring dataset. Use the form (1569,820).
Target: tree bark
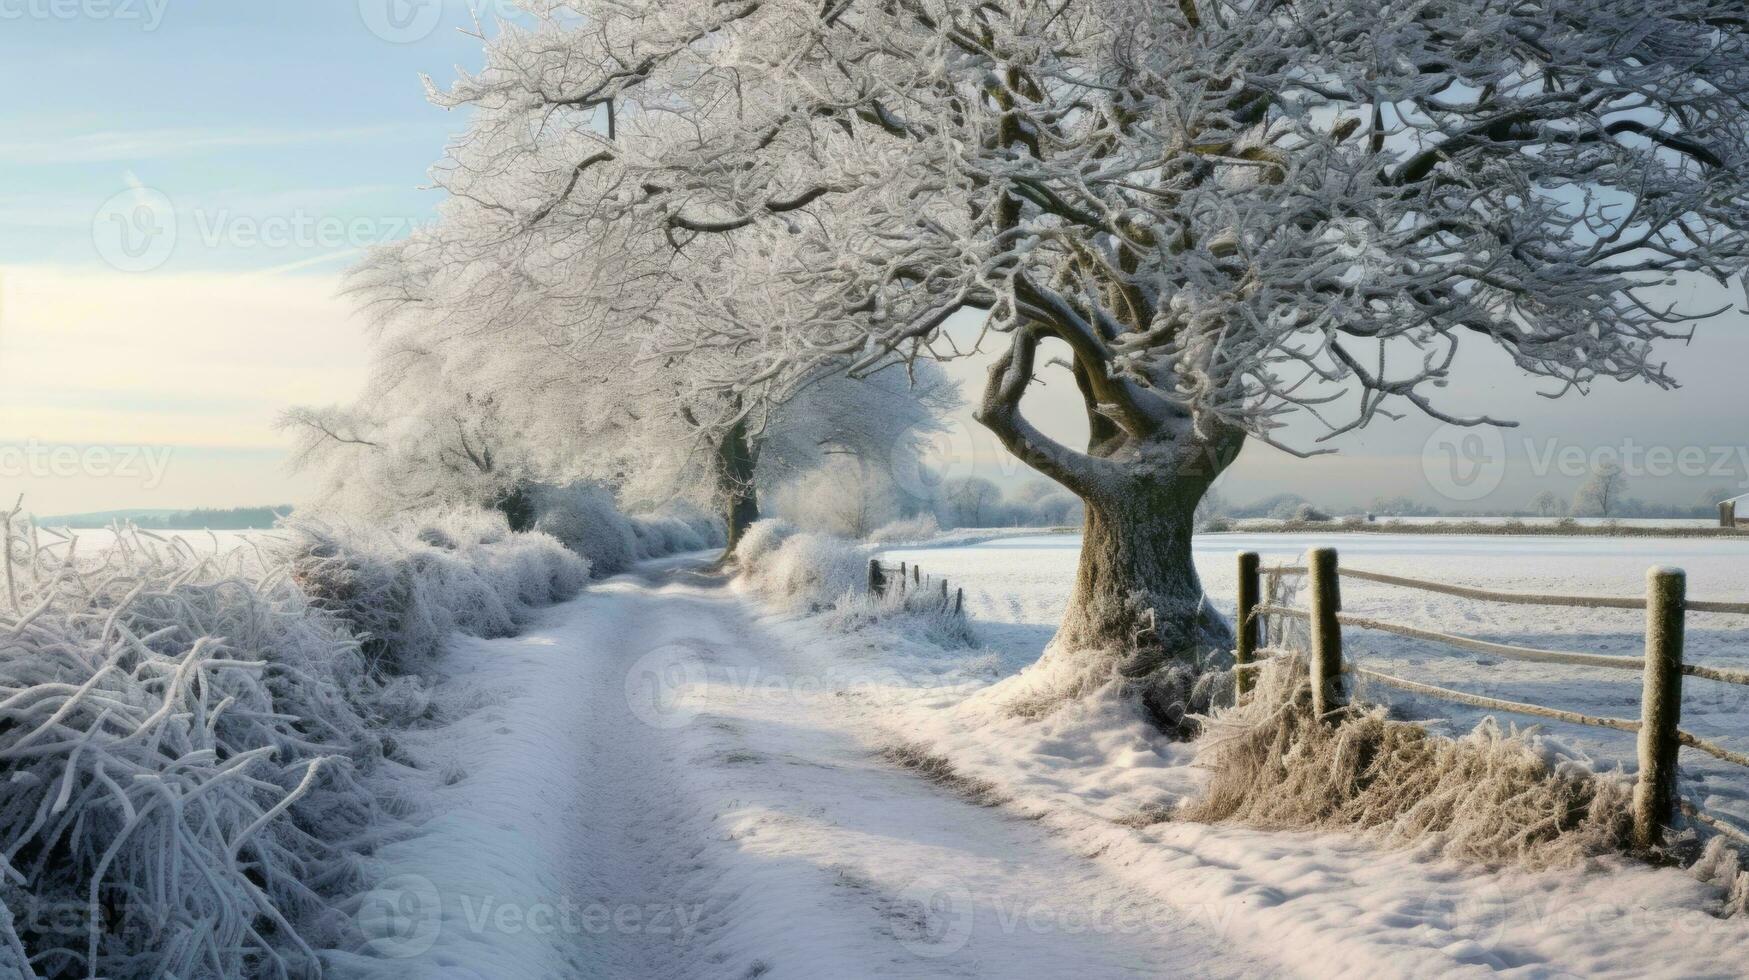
(517,507)
(737,463)
(1138,604)
(1137,593)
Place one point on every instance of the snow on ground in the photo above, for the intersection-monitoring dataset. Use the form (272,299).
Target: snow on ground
(1629,523)
(1015,590)
(661,780)
(1086,769)
(650,784)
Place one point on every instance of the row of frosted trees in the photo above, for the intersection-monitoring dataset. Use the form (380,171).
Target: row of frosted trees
(1231,221)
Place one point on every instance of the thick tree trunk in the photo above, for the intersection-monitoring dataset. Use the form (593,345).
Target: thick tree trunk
(1138,612)
(741,513)
(1137,593)
(1138,609)
(737,463)
(517,506)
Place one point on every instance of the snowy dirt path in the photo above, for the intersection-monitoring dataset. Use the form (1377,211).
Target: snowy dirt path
(660,788)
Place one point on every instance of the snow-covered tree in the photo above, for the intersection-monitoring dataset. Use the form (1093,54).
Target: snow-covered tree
(1547,504)
(1225,212)
(1602,493)
(970,501)
(602,341)
(1709,501)
(1060,509)
(849,496)
(1213,505)
(879,421)
(418,439)
(486,384)
(1033,491)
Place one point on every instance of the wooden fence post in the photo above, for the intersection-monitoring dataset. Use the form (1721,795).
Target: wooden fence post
(876,581)
(903,573)
(959,601)
(1728,514)
(1326,666)
(1660,704)
(917,574)
(1250,628)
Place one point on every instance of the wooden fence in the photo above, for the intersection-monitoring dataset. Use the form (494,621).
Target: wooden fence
(908,580)
(1728,514)
(1661,668)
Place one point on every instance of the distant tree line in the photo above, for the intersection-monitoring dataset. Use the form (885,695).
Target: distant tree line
(1603,494)
(220,519)
(198,519)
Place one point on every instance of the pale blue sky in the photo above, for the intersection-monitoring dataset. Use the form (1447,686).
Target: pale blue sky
(247,150)
(183,181)
(234,109)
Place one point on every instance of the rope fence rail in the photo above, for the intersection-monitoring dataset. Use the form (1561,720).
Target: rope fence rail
(1661,668)
(1514,598)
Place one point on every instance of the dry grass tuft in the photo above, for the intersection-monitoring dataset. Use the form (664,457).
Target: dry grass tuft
(940,770)
(1492,797)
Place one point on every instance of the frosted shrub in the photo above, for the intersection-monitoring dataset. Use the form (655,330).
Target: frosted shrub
(403,589)
(1721,865)
(761,541)
(1491,796)
(709,529)
(660,536)
(179,757)
(676,528)
(811,571)
(918,614)
(585,518)
(907,530)
(819,573)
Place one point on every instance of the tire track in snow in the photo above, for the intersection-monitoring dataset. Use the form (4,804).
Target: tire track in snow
(727,778)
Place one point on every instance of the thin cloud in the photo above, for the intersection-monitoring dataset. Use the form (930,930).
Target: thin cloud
(311,262)
(148,144)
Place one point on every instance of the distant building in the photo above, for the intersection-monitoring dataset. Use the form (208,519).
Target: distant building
(1731,508)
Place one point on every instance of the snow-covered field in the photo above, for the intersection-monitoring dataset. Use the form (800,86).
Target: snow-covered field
(204,543)
(1084,770)
(1625,522)
(1016,590)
